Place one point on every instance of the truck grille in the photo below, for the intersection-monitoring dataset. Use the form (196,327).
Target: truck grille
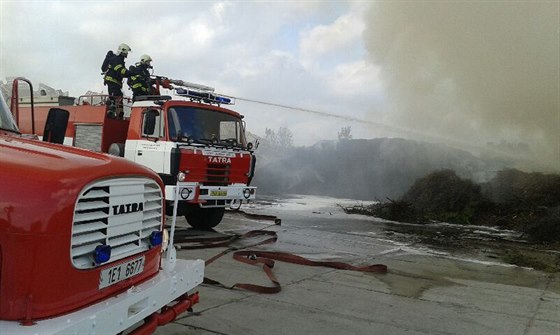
(121,213)
(217,174)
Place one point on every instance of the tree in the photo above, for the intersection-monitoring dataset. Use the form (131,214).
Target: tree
(270,136)
(344,133)
(283,138)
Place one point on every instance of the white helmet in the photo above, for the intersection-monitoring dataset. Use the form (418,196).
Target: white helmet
(145,59)
(124,49)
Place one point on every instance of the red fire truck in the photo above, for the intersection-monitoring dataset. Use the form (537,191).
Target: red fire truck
(188,138)
(82,242)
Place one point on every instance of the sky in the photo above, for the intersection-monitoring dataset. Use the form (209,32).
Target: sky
(472,74)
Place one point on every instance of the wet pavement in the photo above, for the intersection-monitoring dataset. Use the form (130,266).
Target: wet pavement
(430,288)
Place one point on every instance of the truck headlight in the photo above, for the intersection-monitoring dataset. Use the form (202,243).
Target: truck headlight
(181,176)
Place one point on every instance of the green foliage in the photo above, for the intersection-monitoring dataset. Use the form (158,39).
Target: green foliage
(547,227)
(515,188)
(527,202)
(443,196)
(550,263)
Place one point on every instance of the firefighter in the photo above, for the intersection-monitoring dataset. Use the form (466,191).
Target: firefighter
(139,81)
(116,70)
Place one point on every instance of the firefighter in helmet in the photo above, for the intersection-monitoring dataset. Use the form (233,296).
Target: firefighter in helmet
(139,80)
(116,71)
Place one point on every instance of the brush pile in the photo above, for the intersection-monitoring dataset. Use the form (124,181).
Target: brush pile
(527,202)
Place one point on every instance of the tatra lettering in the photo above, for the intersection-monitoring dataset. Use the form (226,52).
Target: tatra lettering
(128,208)
(223,160)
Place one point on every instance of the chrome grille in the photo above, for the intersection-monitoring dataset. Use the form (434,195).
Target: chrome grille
(121,213)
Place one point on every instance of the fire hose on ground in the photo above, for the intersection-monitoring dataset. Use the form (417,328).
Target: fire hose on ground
(257,257)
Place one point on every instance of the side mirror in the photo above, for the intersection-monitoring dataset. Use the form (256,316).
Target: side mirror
(55,126)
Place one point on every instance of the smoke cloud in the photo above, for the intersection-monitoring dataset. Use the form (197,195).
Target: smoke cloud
(472,71)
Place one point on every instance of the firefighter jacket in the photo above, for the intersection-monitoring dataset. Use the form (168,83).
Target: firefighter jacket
(116,71)
(139,80)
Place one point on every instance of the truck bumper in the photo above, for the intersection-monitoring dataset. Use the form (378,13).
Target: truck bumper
(200,193)
(118,313)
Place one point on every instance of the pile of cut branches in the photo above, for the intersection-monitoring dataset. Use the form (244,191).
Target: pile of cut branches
(527,202)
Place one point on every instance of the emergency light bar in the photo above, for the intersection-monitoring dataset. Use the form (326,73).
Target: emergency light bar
(208,97)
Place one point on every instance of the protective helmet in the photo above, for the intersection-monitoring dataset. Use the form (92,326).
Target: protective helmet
(124,49)
(145,59)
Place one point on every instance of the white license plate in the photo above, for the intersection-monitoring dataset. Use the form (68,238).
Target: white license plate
(121,272)
(218,193)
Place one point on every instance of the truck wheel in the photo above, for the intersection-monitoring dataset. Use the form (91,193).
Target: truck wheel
(204,218)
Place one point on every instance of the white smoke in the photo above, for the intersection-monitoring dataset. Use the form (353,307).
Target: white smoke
(473,71)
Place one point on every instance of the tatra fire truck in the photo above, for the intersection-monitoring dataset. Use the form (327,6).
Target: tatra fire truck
(189,138)
(83,242)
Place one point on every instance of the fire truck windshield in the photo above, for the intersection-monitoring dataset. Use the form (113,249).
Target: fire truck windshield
(205,126)
(6,119)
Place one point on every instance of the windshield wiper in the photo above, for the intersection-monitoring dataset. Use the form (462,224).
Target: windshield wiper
(199,141)
(204,140)
(231,143)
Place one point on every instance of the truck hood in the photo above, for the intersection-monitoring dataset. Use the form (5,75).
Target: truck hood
(48,179)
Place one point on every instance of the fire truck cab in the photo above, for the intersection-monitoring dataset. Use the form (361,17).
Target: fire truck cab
(188,138)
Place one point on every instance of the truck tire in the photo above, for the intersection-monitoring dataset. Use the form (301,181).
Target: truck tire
(204,218)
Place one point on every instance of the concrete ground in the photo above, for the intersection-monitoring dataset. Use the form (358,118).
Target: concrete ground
(424,291)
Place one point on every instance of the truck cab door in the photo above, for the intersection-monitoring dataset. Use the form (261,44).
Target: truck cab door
(150,148)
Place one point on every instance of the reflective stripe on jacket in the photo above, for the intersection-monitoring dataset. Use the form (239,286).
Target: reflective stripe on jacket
(116,71)
(139,79)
